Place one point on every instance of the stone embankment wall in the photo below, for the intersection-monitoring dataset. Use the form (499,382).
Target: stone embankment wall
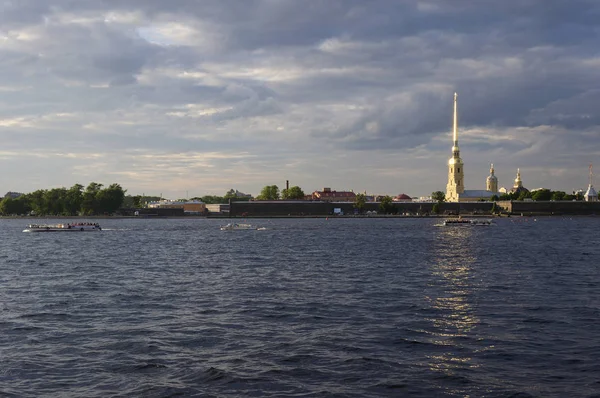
(315,208)
(550,207)
(143,212)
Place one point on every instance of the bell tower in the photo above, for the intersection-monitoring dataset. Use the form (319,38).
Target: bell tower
(492,181)
(518,182)
(456,181)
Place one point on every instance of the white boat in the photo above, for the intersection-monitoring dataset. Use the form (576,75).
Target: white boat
(466,222)
(237,227)
(69,227)
(482,222)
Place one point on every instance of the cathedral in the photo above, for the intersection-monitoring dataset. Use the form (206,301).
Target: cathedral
(455,190)
(518,188)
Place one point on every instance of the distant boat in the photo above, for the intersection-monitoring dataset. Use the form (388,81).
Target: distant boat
(466,222)
(238,227)
(456,222)
(483,222)
(70,227)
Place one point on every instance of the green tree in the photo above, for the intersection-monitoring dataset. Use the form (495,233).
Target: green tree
(89,204)
(110,199)
(230,195)
(294,192)
(269,192)
(6,206)
(137,201)
(524,195)
(386,206)
(233,195)
(73,200)
(438,196)
(436,208)
(55,201)
(212,199)
(18,206)
(542,194)
(558,195)
(38,204)
(494,198)
(359,201)
(505,196)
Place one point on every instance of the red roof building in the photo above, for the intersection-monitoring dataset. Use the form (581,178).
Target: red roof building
(327,195)
(402,198)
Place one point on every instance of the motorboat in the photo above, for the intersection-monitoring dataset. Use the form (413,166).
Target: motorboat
(69,227)
(481,222)
(238,227)
(456,222)
(466,222)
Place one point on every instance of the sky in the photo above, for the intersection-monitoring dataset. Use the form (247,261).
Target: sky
(185,98)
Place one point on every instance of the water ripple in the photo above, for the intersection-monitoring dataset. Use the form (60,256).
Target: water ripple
(306,308)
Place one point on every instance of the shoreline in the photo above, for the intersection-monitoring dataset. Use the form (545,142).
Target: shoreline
(433,216)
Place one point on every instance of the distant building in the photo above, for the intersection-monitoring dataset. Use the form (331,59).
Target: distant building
(518,188)
(222,208)
(402,198)
(591,195)
(189,207)
(239,194)
(491,183)
(12,195)
(424,199)
(327,195)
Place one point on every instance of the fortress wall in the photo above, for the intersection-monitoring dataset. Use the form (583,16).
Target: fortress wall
(307,208)
(555,207)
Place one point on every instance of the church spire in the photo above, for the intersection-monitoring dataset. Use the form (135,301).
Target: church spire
(518,182)
(591,175)
(455,125)
(455,185)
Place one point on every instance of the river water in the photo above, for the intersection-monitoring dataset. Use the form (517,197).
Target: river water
(307,307)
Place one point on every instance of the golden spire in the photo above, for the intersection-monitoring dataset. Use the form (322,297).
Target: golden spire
(455,133)
(518,182)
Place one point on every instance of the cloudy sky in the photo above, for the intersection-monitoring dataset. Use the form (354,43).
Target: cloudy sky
(187,97)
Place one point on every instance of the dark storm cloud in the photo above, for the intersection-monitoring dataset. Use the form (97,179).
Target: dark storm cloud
(323,75)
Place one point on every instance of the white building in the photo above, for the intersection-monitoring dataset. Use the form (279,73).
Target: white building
(591,195)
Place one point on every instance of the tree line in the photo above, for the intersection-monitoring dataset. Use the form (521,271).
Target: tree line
(268,192)
(271,192)
(539,195)
(74,201)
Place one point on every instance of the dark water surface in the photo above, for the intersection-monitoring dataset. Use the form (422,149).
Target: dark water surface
(309,307)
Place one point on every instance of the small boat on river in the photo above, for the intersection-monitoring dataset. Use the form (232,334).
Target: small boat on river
(69,227)
(238,227)
(481,222)
(466,222)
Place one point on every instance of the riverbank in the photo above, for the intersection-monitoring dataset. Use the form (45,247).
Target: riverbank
(27,219)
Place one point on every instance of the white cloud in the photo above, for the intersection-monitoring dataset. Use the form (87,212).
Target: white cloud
(182,96)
